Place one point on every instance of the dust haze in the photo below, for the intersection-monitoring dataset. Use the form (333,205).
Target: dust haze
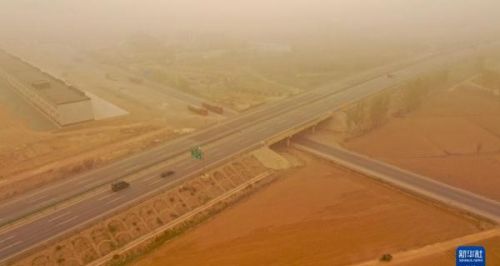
(354,131)
(70,20)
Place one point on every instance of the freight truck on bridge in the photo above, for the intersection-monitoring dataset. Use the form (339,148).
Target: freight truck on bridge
(212,107)
(198,110)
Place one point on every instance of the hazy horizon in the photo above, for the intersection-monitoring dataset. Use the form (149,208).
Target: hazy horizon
(60,19)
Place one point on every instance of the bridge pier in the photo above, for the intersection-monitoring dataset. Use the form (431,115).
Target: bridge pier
(288,141)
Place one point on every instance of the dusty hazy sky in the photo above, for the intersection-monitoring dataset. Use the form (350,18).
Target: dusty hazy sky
(86,17)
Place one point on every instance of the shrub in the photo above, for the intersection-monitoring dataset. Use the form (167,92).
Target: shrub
(386,257)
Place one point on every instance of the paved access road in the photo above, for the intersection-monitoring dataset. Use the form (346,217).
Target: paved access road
(410,181)
(221,142)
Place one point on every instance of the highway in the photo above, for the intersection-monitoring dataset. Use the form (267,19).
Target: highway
(34,201)
(221,142)
(173,92)
(419,184)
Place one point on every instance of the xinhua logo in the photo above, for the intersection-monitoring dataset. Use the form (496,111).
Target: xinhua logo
(471,256)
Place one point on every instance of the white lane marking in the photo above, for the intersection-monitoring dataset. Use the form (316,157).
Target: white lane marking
(67,221)
(11,245)
(157,181)
(33,199)
(6,239)
(149,178)
(282,122)
(58,216)
(89,186)
(83,181)
(105,197)
(113,200)
(261,130)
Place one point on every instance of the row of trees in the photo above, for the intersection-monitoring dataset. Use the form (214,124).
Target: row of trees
(369,114)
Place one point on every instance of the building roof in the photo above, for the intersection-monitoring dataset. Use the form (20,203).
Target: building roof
(58,93)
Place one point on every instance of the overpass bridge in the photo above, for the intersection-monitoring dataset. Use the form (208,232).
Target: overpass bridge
(31,202)
(262,127)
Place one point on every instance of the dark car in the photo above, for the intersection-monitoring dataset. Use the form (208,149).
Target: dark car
(117,186)
(167,173)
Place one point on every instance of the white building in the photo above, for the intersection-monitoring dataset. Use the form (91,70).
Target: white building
(62,103)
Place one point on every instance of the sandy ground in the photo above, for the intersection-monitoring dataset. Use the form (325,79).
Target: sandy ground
(454,137)
(442,253)
(20,111)
(491,245)
(315,215)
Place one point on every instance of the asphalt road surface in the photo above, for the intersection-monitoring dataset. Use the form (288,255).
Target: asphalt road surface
(37,200)
(416,183)
(221,142)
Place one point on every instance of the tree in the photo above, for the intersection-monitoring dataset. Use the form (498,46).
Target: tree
(386,257)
